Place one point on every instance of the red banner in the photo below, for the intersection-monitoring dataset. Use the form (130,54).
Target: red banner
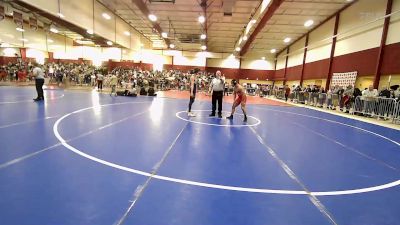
(33,23)
(18,18)
(2,13)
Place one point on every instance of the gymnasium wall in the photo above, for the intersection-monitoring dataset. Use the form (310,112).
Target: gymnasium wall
(248,69)
(359,36)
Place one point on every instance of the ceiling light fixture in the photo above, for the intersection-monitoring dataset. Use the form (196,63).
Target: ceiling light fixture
(237,49)
(153,17)
(273,50)
(164,34)
(245,38)
(54,30)
(203,36)
(309,23)
(60,15)
(287,40)
(253,21)
(109,43)
(127,33)
(263,58)
(202,19)
(203,47)
(20,29)
(106,16)
(171,46)
(89,31)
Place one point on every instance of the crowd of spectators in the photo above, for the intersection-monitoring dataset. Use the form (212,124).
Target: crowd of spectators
(82,74)
(344,98)
(128,79)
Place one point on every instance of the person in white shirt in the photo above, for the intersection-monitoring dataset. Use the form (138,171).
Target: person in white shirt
(39,81)
(217,89)
(370,92)
(369,96)
(113,84)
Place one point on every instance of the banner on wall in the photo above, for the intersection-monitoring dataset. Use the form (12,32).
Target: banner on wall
(2,13)
(18,18)
(33,23)
(344,79)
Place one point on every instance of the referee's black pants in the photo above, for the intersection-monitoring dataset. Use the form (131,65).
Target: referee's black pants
(39,88)
(217,97)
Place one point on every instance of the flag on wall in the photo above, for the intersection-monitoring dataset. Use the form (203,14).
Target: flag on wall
(33,23)
(344,79)
(2,13)
(18,18)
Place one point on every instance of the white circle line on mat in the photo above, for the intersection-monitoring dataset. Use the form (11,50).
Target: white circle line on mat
(178,114)
(13,102)
(208,185)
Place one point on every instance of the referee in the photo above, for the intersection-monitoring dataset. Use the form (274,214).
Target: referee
(39,81)
(217,89)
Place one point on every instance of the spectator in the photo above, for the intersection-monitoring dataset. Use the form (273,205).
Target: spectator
(39,81)
(385,92)
(100,79)
(287,92)
(113,84)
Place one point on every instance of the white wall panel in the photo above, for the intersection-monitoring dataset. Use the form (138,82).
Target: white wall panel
(230,62)
(10,52)
(394,27)
(78,12)
(8,34)
(50,6)
(135,40)
(190,61)
(320,42)
(123,39)
(354,32)
(280,64)
(102,26)
(319,53)
(258,64)
(365,40)
(296,53)
(58,43)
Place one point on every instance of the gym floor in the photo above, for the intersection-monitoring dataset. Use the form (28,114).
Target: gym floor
(88,158)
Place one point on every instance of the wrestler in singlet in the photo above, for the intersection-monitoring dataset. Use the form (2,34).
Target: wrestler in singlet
(240,100)
(241,96)
(193,90)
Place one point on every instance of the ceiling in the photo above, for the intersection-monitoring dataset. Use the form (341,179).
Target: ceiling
(288,21)
(179,18)
(45,21)
(42,21)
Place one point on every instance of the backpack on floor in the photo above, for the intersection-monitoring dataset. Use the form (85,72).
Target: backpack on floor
(143,91)
(151,92)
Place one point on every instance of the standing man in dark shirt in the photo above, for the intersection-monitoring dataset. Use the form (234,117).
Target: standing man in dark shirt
(217,90)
